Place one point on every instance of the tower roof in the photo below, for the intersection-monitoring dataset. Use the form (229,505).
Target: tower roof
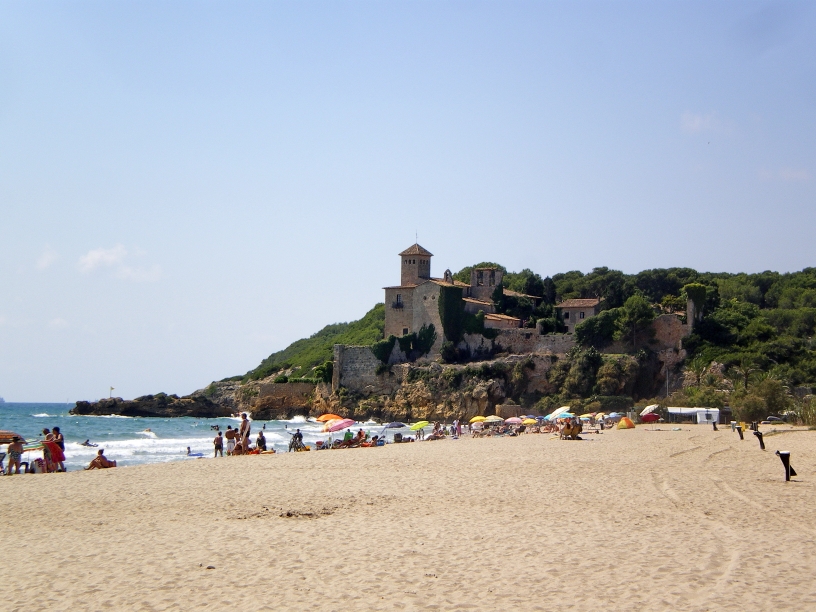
(415,249)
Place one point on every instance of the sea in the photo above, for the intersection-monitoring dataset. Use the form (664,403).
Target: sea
(135,441)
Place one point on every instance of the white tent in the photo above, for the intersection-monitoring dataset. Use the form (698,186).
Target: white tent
(703,415)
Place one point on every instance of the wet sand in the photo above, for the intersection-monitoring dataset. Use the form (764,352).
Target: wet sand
(628,520)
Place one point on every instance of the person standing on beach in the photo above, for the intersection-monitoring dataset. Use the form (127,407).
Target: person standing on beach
(245,429)
(218,442)
(59,440)
(230,436)
(15,453)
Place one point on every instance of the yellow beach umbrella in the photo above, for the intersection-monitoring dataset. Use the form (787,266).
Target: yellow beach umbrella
(529,422)
(588,415)
(600,415)
(477,419)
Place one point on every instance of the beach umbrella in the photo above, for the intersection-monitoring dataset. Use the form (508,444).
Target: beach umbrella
(584,418)
(327,425)
(588,415)
(529,422)
(513,421)
(6,436)
(566,415)
(626,423)
(600,415)
(395,425)
(342,424)
(477,419)
(493,419)
(614,415)
(557,414)
(420,425)
(650,417)
(328,417)
(649,409)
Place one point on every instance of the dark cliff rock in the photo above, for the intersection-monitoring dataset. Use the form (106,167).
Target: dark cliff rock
(160,405)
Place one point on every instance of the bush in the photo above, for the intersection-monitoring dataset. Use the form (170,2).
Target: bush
(283,378)
(382,349)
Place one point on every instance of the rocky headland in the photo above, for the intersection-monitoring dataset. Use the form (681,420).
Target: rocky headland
(507,385)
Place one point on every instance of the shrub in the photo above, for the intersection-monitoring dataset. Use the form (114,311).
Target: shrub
(283,378)
(382,349)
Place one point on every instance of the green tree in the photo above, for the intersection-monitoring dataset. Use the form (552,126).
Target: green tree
(635,319)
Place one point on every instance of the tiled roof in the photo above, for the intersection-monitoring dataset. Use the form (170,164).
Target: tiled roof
(475,301)
(501,317)
(459,283)
(586,303)
(439,281)
(417,250)
(402,287)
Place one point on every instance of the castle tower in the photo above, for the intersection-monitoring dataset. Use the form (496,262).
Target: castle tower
(416,265)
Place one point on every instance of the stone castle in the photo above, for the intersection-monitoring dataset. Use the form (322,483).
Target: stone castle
(415,301)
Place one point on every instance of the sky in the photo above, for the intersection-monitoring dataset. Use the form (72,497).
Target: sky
(187,187)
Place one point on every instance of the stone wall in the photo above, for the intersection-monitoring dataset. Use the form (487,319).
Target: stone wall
(355,368)
(670,331)
(523,341)
(282,400)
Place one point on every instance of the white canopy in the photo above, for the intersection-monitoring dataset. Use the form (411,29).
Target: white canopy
(704,415)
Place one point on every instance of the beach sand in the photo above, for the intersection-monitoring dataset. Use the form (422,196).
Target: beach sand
(628,520)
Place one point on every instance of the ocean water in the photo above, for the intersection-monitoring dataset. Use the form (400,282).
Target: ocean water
(126,440)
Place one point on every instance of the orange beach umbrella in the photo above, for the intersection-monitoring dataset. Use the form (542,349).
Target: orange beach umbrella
(328,417)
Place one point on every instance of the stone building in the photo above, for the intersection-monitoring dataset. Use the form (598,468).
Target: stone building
(573,312)
(415,301)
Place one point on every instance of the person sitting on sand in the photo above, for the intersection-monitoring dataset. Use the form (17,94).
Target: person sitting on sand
(101,461)
(260,443)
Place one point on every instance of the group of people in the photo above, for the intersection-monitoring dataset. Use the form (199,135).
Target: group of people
(238,440)
(53,459)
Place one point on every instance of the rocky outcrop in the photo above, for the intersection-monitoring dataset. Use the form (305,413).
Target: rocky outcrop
(160,405)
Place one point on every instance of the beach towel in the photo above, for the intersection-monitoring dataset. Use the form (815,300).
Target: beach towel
(55,451)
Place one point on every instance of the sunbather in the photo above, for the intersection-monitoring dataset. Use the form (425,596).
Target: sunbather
(101,461)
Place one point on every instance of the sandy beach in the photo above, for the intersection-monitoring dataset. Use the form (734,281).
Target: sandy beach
(627,520)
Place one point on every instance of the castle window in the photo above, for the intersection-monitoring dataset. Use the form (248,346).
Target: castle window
(566,315)
(479,278)
(404,331)
(399,298)
(492,278)
(580,315)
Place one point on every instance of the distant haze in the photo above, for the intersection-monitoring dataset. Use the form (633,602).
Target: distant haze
(188,187)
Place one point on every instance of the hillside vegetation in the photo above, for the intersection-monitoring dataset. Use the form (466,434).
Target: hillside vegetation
(303,355)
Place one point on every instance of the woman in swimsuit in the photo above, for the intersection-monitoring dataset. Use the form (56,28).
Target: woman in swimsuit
(15,453)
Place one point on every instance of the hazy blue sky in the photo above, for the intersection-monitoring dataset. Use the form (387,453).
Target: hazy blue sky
(188,187)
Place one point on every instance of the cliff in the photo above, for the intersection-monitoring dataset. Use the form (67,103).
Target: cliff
(160,405)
